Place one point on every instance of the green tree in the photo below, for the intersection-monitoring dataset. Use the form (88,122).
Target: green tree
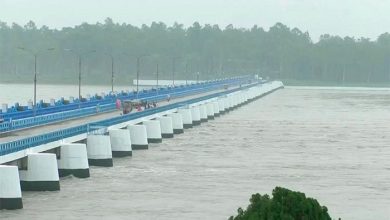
(284,205)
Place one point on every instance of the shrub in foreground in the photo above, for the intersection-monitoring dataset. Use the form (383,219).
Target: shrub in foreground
(284,205)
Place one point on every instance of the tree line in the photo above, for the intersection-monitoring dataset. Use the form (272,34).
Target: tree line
(208,50)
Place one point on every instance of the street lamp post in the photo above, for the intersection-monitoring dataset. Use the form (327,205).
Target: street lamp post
(174,69)
(186,73)
(138,70)
(138,63)
(79,55)
(35,83)
(112,74)
(157,70)
(112,71)
(35,54)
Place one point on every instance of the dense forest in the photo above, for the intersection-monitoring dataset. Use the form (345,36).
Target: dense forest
(211,51)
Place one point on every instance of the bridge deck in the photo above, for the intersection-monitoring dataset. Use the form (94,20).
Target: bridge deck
(30,132)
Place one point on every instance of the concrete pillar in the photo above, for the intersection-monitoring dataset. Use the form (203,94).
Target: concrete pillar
(187,117)
(216,109)
(99,150)
(153,131)
(254,93)
(177,123)
(10,192)
(235,101)
(138,137)
(195,114)
(241,99)
(120,142)
(245,98)
(246,94)
(225,104)
(243,94)
(166,124)
(41,173)
(251,94)
(221,105)
(229,103)
(210,110)
(73,161)
(203,113)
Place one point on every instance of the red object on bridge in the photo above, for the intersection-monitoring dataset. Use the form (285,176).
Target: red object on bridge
(118,104)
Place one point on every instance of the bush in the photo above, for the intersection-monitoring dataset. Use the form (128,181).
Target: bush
(285,205)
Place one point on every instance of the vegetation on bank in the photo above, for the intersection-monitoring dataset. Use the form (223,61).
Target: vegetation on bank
(212,51)
(284,205)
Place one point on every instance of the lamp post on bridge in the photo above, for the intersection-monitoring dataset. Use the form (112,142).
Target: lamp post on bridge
(157,71)
(186,73)
(80,55)
(112,73)
(35,54)
(174,69)
(138,70)
(112,70)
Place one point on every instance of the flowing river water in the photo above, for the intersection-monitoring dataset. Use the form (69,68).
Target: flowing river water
(332,144)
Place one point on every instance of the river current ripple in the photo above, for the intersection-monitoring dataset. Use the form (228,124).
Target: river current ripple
(331,144)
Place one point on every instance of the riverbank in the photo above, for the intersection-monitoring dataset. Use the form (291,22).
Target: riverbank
(314,83)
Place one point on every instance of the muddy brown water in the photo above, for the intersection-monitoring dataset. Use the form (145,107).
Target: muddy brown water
(332,144)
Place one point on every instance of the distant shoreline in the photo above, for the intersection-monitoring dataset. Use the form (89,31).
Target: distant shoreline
(334,84)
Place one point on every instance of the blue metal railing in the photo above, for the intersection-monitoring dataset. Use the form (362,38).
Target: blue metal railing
(22,144)
(23,112)
(151,95)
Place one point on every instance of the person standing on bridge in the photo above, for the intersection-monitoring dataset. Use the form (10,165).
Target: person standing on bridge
(118,104)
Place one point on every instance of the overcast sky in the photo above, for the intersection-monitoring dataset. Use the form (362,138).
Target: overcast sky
(367,18)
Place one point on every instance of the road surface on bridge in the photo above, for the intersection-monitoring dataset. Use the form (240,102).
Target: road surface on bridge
(34,131)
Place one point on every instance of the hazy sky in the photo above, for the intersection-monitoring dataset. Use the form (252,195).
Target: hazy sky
(367,18)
